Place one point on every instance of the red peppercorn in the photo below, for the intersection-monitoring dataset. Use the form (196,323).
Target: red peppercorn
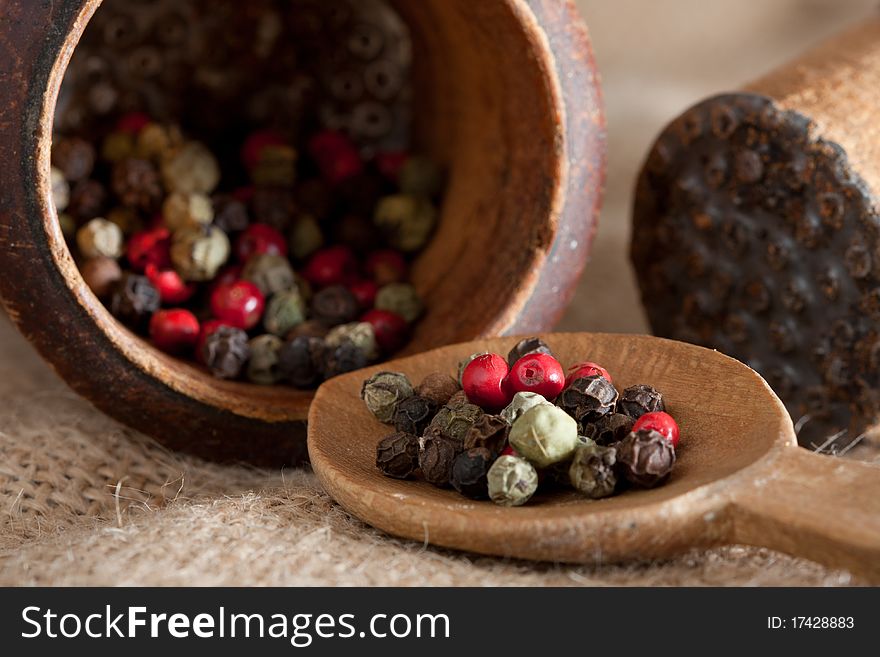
(208,328)
(660,422)
(229,274)
(509,451)
(484,381)
(252,149)
(238,304)
(540,373)
(585,369)
(365,293)
(389,164)
(386,266)
(336,156)
(390,328)
(335,265)
(172,288)
(133,122)
(149,247)
(174,330)
(258,239)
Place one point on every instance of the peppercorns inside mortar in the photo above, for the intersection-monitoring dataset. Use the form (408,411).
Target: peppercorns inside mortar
(276,248)
(510,427)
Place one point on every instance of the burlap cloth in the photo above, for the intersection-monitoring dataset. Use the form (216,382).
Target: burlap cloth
(84,500)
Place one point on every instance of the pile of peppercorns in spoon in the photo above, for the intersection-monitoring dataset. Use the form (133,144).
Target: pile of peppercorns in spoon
(507,426)
(295,272)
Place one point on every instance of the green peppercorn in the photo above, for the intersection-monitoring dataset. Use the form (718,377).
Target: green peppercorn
(467,361)
(420,176)
(383,391)
(361,334)
(100,238)
(270,272)
(305,236)
(180,210)
(521,402)
(190,169)
(439,387)
(458,400)
(455,421)
(406,220)
(592,470)
(544,435)
(60,189)
(285,310)
(262,367)
(198,252)
(400,298)
(511,481)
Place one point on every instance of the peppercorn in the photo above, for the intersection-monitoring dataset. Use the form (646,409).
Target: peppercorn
(390,328)
(180,210)
(400,298)
(230,214)
(527,346)
(544,434)
(226,351)
(310,328)
(511,481)
(156,141)
(661,422)
(608,429)
(588,398)
(521,402)
(336,156)
(382,392)
(60,190)
(133,300)
(335,265)
(436,457)
(397,455)
(262,367)
(484,380)
(413,414)
(273,206)
(304,237)
(269,272)
(276,166)
(360,334)
(239,304)
(640,399)
(488,432)
(136,184)
(646,457)
(174,330)
(100,238)
(190,169)
(386,266)
(172,288)
(592,470)
(87,199)
(101,275)
(438,387)
(539,373)
(254,145)
(198,252)
(586,368)
(365,292)
(128,220)
(357,233)
(300,361)
(284,311)
(420,176)
(117,146)
(149,247)
(406,220)
(259,238)
(334,305)
(469,470)
(458,400)
(454,422)
(74,157)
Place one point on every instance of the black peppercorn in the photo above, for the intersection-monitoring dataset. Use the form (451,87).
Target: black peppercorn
(646,457)
(133,300)
(75,157)
(413,414)
(469,473)
(439,387)
(87,200)
(335,305)
(588,398)
(608,429)
(136,183)
(436,457)
(226,351)
(397,455)
(640,399)
(300,361)
(488,432)
(343,358)
(230,214)
(527,346)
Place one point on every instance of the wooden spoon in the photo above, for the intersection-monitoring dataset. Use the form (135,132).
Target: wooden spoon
(740,476)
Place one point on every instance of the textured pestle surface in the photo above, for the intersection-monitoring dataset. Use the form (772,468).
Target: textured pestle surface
(78,488)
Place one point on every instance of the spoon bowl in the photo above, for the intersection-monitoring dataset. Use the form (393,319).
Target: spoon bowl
(739,476)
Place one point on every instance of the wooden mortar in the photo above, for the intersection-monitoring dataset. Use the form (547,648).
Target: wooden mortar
(509,101)
(756,232)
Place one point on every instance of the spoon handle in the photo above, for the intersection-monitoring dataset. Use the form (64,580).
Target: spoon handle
(823,508)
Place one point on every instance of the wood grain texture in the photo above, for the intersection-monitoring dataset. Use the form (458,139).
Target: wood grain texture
(512,107)
(739,475)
